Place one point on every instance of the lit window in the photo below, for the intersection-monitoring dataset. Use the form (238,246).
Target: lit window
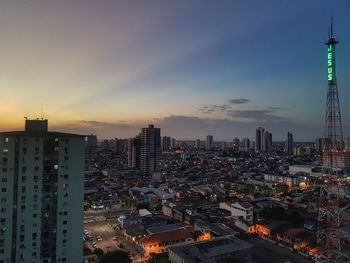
(5,150)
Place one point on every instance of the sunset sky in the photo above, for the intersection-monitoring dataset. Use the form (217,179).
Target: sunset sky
(190,67)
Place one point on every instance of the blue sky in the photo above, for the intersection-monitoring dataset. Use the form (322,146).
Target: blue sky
(190,67)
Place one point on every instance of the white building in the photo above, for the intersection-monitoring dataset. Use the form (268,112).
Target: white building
(41,196)
(239,209)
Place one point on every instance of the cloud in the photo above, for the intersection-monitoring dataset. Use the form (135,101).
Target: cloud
(276,108)
(239,101)
(208,109)
(257,115)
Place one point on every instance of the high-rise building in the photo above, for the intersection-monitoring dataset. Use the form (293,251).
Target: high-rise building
(289,143)
(90,147)
(198,144)
(267,141)
(209,143)
(246,144)
(41,198)
(166,143)
(259,139)
(236,144)
(150,150)
(134,152)
(173,143)
(263,140)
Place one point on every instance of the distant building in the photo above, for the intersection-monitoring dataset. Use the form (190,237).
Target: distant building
(166,143)
(150,150)
(259,139)
(347,144)
(246,144)
(134,152)
(289,143)
(298,150)
(173,143)
(42,194)
(236,144)
(90,148)
(209,143)
(120,146)
(319,145)
(198,144)
(212,251)
(268,141)
(263,140)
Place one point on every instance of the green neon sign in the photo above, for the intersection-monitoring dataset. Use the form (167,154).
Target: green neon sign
(330,70)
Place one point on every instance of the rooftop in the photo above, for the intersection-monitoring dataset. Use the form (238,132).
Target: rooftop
(208,251)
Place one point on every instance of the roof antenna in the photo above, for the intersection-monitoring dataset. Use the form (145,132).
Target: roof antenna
(331,23)
(41,110)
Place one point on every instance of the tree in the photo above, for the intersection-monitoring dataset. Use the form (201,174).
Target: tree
(115,256)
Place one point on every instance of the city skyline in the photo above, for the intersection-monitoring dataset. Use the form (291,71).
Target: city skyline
(234,68)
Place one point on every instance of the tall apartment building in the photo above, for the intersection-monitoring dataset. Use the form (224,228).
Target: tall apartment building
(289,143)
(134,152)
(166,143)
(150,150)
(90,148)
(246,144)
(263,140)
(173,143)
(236,143)
(259,139)
(209,143)
(41,196)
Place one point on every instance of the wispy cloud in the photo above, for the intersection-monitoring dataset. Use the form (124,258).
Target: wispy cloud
(257,115)
(208,109)
(276,108)
(239,101)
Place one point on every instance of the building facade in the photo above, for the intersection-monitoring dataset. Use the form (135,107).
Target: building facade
(209,143)
(41,198)
(150,150)
(289,143)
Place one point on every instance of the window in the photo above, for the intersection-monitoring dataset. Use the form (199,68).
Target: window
(65,222)
(5,150)
(3,190)
(4,180)
(6,139)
